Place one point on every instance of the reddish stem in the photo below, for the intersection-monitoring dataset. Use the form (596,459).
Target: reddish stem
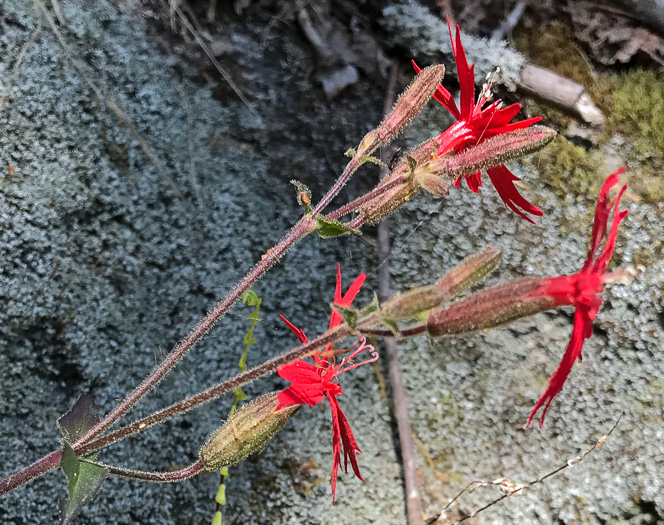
(156,477)
(39,467)
(52,460)
(351,206)
(217,390)
(303,227)
(366,148)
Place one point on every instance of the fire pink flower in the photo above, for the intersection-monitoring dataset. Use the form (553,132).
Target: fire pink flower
(313,382)
(582,289)
(476,123)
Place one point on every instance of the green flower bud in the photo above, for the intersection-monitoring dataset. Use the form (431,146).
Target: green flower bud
(465,274)
(247,431)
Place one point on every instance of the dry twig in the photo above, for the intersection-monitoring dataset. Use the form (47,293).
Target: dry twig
(509,488)
(413,501)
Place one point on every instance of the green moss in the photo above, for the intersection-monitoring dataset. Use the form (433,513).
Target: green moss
(633,103)
(654,189)
(648,255)
(637,109)
(569,169)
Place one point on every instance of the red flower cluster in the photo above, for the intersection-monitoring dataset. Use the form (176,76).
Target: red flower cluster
(476,123)
(582,289)
(313,382)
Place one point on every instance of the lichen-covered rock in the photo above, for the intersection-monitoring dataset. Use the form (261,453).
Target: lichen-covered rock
(472,422)
(103,269)
(412,26)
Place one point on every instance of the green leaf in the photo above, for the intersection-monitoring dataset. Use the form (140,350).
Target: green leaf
(328,228)
(240,395)
(392,325)
(350,318)
(83,482)
(372,307)
(81,418)
(250,299)
(83,479)
(349,315)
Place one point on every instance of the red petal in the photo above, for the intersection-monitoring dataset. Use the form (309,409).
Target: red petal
(600,224)
(503,180)
(572,353)
(299,333)
(347,300)
(455,137)
(605,256)
(465,73)
(341,433)
(561,289)
(503,116)
(336,444)
(602,211)
(350,445)
(474,181)
(492,132)
(306,384)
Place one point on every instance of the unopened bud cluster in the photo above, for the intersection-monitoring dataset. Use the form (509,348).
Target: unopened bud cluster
(405,189)
(422,169)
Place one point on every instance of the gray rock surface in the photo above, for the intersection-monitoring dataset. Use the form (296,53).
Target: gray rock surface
(412,26)
(103,269)
(472,422)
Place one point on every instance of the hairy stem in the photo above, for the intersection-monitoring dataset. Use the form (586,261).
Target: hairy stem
(366,148)
(39,467)
(351,206)
(302,228)
(215,391)
(155,477)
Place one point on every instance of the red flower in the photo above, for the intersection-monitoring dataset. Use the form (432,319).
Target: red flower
(582,289)
(313,382)
(476,123)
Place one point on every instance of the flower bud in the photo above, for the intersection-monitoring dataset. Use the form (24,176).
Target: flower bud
(490,308)
(471,270)
(468,272)
(247,431)
(412,303)
(432,183)
(496,151)
(411,102)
